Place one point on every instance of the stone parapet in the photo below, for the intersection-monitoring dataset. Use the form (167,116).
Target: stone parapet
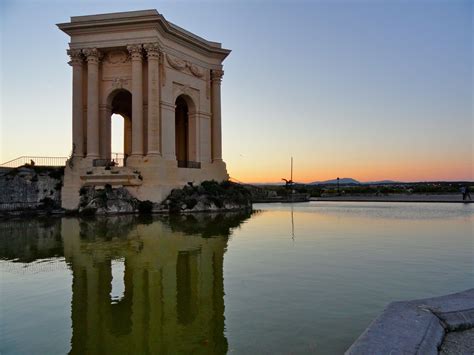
(416,327)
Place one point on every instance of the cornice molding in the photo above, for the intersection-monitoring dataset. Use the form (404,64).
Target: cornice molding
(148,19)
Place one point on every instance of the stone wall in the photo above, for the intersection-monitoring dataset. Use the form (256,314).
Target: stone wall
(30,187)
(37,190)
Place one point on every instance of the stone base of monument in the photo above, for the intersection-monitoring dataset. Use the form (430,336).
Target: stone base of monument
(417,327)
(146,178)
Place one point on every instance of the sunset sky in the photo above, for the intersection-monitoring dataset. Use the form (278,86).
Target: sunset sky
(364,89)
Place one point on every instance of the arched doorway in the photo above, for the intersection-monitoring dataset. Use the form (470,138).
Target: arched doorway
(182,130)
(120,102)
(186,133)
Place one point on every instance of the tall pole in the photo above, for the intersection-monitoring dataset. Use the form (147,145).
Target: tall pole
(291,174)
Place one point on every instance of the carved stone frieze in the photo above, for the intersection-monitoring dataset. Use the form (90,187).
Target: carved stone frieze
(116,57)
(119,83)
(181,65)
(195,70)
(176,63)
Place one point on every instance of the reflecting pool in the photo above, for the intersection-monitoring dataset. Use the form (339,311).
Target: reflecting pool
(301,278)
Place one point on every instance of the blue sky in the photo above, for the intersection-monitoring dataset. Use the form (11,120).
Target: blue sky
(366,89)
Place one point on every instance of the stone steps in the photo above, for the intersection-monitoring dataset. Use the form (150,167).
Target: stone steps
(117,176)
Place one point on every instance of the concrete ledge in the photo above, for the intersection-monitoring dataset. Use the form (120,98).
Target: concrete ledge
(416,327)
(418,198)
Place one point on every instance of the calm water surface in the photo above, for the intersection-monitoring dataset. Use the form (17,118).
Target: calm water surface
(298,279)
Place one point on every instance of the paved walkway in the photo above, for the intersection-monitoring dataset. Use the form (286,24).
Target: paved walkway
(457,343)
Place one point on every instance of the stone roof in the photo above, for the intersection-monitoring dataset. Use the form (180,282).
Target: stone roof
(81,24)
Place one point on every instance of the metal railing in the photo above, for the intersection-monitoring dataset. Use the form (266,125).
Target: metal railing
(40,161)
(189,164)
(108,162)
(118,158)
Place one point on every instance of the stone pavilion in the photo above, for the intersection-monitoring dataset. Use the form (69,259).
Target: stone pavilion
(166,84)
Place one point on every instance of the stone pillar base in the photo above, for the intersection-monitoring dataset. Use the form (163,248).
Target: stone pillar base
(135,161)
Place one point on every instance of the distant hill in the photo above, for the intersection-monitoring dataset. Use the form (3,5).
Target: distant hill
(381,182)
(342,181)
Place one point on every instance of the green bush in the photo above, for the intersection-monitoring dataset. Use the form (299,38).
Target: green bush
(209,192)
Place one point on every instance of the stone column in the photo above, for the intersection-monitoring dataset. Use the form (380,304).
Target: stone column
(137,99)
(93,57)
(105,131)
(153,54)
(216,77)
(77,62)
(168,134)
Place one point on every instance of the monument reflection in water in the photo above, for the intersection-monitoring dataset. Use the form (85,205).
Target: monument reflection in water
(138,285)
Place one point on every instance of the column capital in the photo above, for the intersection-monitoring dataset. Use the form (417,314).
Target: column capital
(135,51)
(153,50)
(216,75)
(93,55)
(76,56)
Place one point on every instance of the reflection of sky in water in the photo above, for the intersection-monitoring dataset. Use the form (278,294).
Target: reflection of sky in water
(306,278)
(318,290)
(118,282)
(372,210)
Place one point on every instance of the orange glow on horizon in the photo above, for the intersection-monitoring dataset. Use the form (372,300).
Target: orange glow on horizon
(403,172)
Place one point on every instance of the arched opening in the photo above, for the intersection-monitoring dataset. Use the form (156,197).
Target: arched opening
(186,133)
(182,131)
(121,125)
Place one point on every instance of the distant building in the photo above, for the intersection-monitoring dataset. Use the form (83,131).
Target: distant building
(165,82)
